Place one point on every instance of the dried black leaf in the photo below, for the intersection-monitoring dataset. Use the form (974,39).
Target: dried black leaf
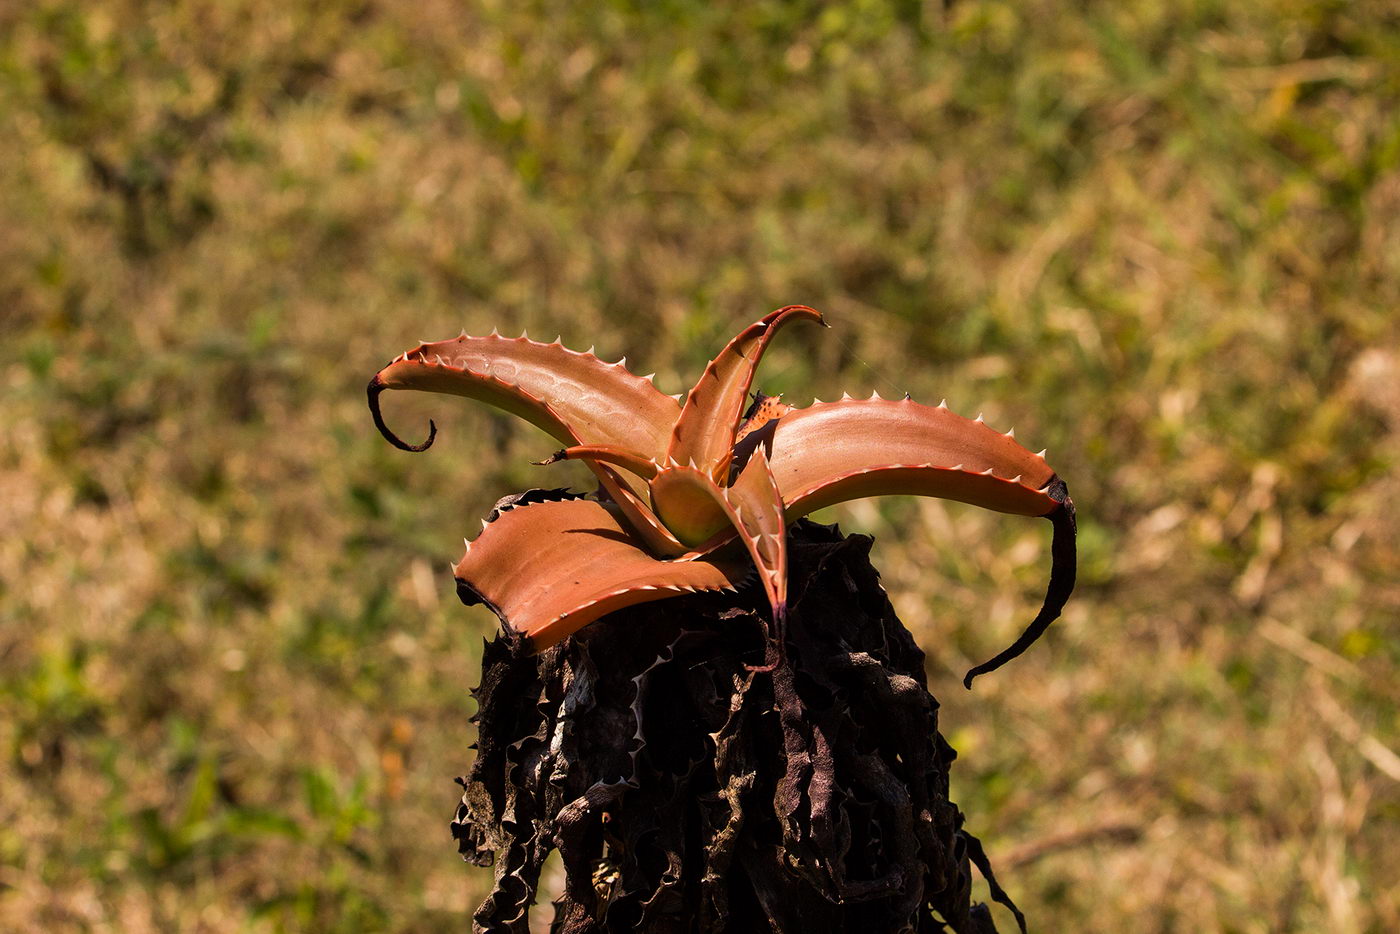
(686,793)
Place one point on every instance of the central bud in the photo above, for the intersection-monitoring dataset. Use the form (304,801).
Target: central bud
(688,503)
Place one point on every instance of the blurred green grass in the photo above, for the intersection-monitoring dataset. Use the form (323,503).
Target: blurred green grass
(1160,240)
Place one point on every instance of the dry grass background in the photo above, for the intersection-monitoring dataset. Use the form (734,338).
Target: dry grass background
(1160,239)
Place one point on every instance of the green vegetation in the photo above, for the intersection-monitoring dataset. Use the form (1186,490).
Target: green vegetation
(1159,239)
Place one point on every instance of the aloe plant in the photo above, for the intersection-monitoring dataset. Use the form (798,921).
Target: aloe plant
(686,489)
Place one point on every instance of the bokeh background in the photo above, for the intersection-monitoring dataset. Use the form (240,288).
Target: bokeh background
(1162,240)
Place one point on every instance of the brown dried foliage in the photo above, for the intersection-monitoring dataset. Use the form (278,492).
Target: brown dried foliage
(685,792)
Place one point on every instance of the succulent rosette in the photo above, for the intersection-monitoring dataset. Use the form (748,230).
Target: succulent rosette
(693,496)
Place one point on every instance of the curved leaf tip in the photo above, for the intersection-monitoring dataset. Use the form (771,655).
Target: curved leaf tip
(704,431)
(376,386)
(1062,574)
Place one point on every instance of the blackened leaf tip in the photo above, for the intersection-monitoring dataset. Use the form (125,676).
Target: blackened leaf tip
(376,386)
(984,866)
(1062,574)
(468,594)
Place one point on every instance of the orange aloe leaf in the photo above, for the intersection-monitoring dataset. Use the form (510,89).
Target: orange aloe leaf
(704,433)
(550,568)
(831,452)
(755,507)
(636,509)
(837,451)
(643,467)
(575,397)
